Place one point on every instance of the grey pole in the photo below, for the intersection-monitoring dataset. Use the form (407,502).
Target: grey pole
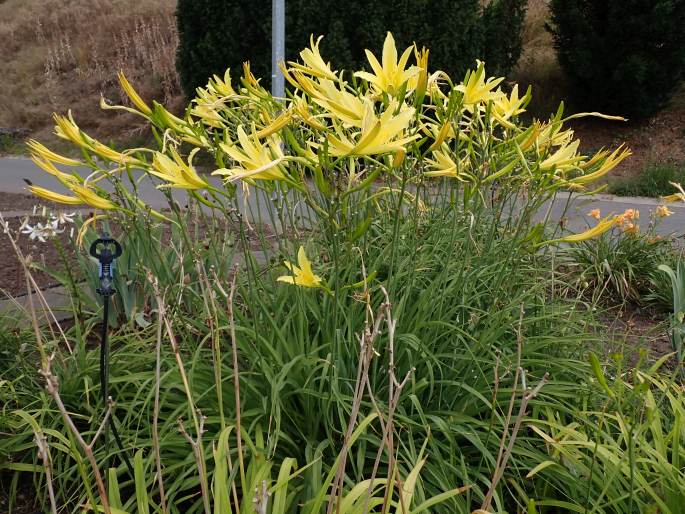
(277,47)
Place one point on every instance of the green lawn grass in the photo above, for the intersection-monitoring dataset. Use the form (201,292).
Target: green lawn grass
(654,181)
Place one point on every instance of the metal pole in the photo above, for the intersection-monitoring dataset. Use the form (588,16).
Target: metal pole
(277,47)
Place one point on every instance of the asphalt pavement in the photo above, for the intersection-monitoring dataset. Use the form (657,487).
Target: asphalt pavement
(572,207)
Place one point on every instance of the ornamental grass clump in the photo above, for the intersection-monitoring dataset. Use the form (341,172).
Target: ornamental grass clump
(394,188)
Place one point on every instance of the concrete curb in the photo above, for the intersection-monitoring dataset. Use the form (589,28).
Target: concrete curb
(16,311)
(633,200)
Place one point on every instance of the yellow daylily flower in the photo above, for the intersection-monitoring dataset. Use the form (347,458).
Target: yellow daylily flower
(168,119)
(612,160)
(314,64)
(506,107)
(595,213)
(108,153)
(66,128)
(133,95)
(435,80)
(221,87)
(599,229)
(390,76)
(84,228)
(397,159)
(44,153)
(256,160)
(347,107)
(90,197)
(444,133)
(595,114)
(419,82)
(599,155)
(563,159)
(301,108)
(443,165)
(251,83)
(378,135)
(477,90)
(83,195)
(550,134)
(209,116)
(529,137)
(51,196)
(302,274)
(662,211)
(50,168)
(675,197)
(274,126)
(176,172)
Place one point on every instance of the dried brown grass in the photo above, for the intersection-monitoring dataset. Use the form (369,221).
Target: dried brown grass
(58,55)
(538,65)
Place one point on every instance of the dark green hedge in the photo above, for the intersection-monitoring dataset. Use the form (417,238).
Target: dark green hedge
(218,34)
(622,56)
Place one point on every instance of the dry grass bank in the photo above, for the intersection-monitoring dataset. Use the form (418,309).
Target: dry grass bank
(57,55)
(538,66)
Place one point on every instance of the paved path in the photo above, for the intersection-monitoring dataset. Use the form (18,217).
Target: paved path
(14,170)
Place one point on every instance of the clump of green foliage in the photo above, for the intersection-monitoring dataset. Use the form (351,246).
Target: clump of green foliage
(620,57)
(619,266)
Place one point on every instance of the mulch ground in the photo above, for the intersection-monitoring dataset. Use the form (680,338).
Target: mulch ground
(23,202)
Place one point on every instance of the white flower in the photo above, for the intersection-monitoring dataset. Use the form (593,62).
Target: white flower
(51,229)
(41,232)
(34,232)
(62,218)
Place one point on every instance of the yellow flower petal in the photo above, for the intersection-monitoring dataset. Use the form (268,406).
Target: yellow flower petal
(391,75)
(46,194)
(133,95)
(302,275)
(38,150)
(595,231)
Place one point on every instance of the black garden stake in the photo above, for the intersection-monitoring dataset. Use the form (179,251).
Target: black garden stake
(106,250)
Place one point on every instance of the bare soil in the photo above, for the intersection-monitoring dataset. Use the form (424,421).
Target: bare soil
(639,336)
(24,500)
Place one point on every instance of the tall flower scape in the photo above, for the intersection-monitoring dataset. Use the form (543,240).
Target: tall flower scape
(349,146)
